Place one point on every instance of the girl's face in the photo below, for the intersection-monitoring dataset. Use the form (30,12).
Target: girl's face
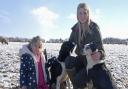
(83,15)
(37,47)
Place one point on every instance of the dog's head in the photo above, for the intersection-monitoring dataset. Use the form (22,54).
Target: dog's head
(51,61)
(89,48)
(66,49)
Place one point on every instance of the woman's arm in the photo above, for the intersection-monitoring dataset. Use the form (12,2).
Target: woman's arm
(72,38)
(98,39)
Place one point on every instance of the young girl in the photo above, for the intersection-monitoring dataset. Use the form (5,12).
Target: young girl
(32,67)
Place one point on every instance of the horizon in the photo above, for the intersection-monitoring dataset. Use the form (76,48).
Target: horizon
(64,38)
(54,19)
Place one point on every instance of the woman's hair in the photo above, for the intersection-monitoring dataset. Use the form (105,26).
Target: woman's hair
(33,41)
(84,5)
(83,28)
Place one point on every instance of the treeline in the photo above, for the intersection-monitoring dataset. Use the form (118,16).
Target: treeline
(60,40)
(17,39)
(115,41)
(56,40)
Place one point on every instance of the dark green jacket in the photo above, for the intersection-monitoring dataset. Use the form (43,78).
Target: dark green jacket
(91,36)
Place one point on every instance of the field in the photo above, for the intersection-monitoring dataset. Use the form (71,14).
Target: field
(116,61)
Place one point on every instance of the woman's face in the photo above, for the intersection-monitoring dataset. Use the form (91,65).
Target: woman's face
(37,47)
(82,15)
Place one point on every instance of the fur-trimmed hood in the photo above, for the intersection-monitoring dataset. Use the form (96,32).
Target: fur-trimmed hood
(24,50)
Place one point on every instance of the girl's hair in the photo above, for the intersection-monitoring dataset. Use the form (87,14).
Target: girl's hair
(33,41)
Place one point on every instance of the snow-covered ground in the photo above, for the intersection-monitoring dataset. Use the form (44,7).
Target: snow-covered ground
(116,60)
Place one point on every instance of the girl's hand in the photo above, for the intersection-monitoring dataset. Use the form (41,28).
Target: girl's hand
(96,55)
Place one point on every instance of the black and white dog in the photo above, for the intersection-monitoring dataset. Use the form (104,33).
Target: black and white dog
(88,50)
(55,66)
(53,70)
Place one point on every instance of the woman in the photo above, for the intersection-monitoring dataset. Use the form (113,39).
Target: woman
(84,32)
(32,68)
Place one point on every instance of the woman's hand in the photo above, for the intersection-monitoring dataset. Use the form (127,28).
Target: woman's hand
(24,87)
(96,55)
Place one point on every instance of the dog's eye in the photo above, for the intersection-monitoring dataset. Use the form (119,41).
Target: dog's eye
(87,47)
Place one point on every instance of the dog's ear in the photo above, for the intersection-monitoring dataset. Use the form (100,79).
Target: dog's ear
(93,46)
(65,50)
(72,46)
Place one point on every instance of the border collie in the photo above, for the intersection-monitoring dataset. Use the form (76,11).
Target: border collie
(55,67)
(88,50)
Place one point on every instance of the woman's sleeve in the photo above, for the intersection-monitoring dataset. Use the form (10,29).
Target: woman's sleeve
(72,36)
(98,39)
(23,70)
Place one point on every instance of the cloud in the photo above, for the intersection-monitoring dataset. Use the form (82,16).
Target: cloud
(47,20)
(4,17)
(45,17)
(96,15)
(72,16)
(114,30)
